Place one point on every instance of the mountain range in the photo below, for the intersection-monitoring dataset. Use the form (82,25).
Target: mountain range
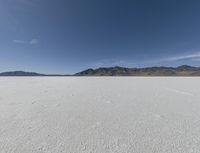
(23,73)
(20,73)
(184,70)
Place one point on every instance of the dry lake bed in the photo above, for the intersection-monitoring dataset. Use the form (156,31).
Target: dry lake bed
(99,115)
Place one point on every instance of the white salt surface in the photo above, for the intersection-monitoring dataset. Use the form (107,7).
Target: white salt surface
(99,115)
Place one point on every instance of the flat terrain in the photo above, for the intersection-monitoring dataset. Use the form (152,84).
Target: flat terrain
(99,115)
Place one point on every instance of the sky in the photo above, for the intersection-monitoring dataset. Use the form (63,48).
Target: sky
(68,36)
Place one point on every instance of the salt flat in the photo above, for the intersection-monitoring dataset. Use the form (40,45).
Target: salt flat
(99,115)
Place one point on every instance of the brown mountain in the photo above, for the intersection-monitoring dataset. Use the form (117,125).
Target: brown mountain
(183,70)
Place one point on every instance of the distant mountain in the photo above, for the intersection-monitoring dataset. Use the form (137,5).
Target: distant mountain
(183,70)
(21,73)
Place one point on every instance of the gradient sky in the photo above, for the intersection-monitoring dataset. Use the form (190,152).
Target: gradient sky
(67,36)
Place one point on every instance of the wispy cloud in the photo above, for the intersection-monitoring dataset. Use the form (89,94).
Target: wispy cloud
(34,41)
(19,41)
(195,56)
(31,42)
(181,57)
(184,57)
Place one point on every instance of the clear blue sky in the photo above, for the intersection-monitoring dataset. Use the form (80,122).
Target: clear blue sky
(66,36)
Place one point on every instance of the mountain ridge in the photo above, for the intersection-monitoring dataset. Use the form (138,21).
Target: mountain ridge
(20,73)
(24,73)
(183,70)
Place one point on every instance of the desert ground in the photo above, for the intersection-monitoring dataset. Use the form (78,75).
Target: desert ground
(99,115)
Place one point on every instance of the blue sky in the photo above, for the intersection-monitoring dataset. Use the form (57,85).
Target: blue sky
(67,36)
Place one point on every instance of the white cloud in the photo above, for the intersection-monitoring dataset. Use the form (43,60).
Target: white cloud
(34,41)
(184,57)
(31,42)
(176,58)
(18,41)
(195,56)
